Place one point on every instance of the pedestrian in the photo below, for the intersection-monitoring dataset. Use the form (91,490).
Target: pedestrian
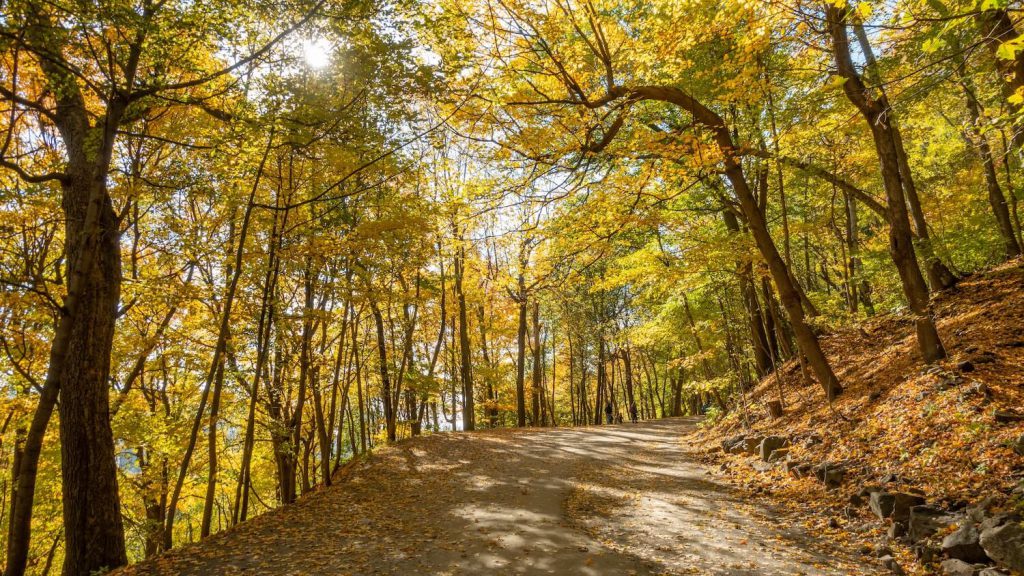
(608,412)
(632,413)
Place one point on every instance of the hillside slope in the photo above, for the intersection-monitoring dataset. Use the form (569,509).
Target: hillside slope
(952,431)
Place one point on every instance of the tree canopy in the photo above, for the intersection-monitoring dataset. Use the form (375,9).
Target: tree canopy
(242,243)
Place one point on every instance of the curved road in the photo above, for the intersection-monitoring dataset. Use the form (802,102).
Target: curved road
(604,500)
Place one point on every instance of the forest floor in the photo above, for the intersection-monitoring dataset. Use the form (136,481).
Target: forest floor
(948,431)
(621,499)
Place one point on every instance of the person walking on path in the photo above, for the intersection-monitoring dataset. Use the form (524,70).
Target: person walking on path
(608,412)
(632,413)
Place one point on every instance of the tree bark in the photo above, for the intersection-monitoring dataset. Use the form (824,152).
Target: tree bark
(521,355)
(877,114)
(996,198)
(385,382)
(535,388)
(466,357)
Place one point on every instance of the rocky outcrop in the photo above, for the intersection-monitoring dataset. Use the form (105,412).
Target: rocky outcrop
(963,544)
(1005,544)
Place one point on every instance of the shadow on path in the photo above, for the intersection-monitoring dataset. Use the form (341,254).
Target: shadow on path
(604,500)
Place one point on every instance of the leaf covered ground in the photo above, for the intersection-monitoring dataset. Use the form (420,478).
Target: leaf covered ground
(929,428)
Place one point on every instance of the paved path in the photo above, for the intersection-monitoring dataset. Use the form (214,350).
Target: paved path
(605,500)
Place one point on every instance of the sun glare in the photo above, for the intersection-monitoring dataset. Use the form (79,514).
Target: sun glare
(317,53)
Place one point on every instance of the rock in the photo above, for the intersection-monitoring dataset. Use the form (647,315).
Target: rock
(1008,416)
(998,520)
(993,572)
(775,409)
(882,504)
(729,443)
(897,530)
(874,395)
(926,554)
(890,563)
(813,440)
(778,454)
(1005,545)
(963,544)
(1018,445)
(761,466)
(855,500)
(903,504)
(798,469)
(751,445)
(927,520)
(979,389)
(896,506)
(889,478)
(984,358)
(979,511)
(831,475)
(883,550)
(965,366)
(865,491)
(770,444)
(954,567)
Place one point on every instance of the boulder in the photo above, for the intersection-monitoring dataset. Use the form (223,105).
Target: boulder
(993,572)
(979,511)
(751,445)
(1018,445)
(770,444)
(729,443)
(927,520)
(778,454)
(896,506)
(1005,545)
(882,504)
(998,520)
(954,567)
(890,563)
(865,491)
(831,475)
(897,530)
(903,504)
(963,544)
(798,469)
(1008,417)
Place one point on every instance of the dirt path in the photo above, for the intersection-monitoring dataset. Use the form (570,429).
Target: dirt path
(610,500)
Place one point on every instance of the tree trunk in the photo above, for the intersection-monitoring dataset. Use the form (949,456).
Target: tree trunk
(877,114)
(759,342)
(521,356)
(385,382)
(996,198)
(997,28)
(535,387)
(466,358)
(938,274)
